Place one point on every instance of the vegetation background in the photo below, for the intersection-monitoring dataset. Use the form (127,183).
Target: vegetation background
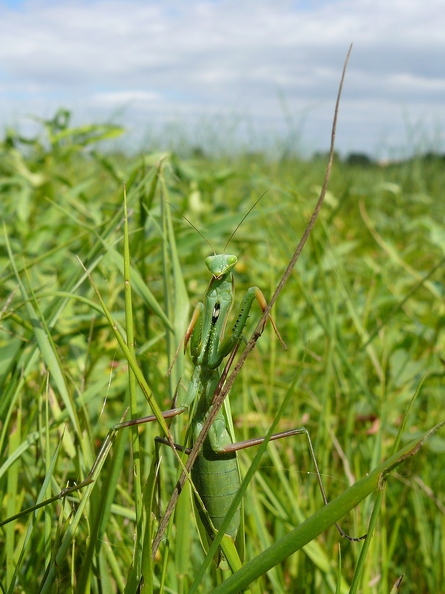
(363,318)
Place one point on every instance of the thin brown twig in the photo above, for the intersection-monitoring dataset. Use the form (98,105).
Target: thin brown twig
(224,387)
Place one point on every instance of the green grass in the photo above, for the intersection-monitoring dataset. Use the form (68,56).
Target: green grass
(362,316)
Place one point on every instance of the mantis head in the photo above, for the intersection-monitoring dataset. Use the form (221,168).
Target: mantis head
(221,264)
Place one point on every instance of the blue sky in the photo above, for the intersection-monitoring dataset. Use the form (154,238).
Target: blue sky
(226,71)
(13,3)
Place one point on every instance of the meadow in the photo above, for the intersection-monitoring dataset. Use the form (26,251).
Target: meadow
(362,316)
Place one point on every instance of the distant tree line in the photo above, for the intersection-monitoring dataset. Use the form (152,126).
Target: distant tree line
(364,160)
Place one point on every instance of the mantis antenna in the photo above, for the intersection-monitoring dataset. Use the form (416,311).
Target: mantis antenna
(243,219)
(233,232)
(196,228)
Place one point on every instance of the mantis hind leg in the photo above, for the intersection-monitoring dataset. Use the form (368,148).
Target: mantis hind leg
(241,445)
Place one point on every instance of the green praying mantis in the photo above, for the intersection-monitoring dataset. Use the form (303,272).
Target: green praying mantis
(215,473)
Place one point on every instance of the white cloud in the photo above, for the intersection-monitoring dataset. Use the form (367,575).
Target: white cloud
(119,98)
(163,58)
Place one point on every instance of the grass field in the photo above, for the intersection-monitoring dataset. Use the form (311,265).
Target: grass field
(363,318)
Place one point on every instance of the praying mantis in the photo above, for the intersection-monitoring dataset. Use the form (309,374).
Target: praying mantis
(215,472)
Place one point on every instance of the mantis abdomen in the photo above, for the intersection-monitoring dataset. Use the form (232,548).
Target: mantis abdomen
(217,479)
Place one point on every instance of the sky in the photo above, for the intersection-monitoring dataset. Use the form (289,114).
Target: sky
(228,73)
